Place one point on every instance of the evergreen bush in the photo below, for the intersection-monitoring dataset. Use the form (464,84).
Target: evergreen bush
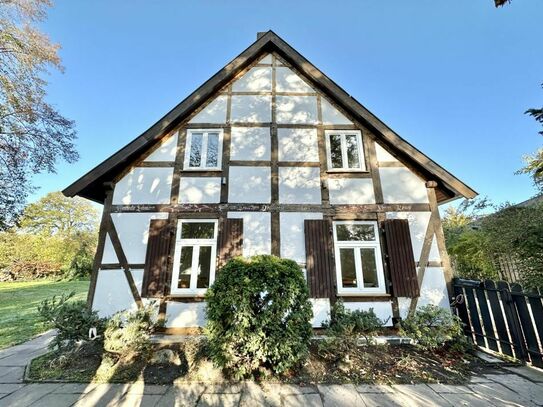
(258,316)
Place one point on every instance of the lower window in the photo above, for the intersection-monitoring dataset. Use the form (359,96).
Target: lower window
(195,255)
(359,266)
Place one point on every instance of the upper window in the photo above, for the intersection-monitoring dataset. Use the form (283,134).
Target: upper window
(358,258)
(344,150)
(203,150)
(195,254)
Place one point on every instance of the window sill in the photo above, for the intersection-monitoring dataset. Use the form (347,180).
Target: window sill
(346,171)
(363,294)
(202,169)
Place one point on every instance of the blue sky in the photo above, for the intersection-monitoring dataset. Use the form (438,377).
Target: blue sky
(451,77)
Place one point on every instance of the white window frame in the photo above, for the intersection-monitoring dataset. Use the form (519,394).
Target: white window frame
(344,158)
(203,158)
(196,244)
(357,245)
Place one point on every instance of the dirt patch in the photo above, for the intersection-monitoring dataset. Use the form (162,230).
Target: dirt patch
(376,364)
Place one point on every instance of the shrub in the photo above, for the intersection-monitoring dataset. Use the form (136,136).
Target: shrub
(72,320)
(81,264)
(432,327)
(345,327)
(344,322)
(128,332)
(258,314)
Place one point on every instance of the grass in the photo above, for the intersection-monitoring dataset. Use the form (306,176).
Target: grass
(19,306)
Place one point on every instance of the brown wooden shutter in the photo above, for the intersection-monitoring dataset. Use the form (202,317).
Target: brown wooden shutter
(156,259)
(230,242)
(401,263)
(320,267)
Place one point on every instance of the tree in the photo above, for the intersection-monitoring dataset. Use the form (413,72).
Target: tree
(534,162)
(499,3)
(54,214)
(33,134)
(56,236)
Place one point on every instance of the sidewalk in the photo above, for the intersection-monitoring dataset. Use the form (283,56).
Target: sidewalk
(520,386)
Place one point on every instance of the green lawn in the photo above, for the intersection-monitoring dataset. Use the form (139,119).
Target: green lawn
(19,307)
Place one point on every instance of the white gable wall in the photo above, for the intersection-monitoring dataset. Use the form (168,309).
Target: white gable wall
(250,140)
(144,185)
(166,150)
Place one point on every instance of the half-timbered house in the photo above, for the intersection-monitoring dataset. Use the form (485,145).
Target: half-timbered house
(270,156)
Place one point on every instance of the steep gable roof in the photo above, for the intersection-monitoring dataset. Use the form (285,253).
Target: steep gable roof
(91,186)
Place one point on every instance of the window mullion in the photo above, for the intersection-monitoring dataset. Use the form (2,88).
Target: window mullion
(203,163)
(344,158)
(358,267)
(194,271)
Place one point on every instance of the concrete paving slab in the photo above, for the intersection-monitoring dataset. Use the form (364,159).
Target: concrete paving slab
(341,395)
(419,395)
(468,400)
(27,395)
(374,388)
(500,395)
(12,374)
(6,388)
(81,388)
(254,395)
(530,373)
(142,388)
(219,400)
(381,400)
(57,400)
(524,388)
(182,395)
(103,395)
(449,388)
(302,400)
(139,400)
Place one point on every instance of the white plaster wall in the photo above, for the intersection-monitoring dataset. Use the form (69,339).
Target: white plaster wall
(255,80)
(214,112)
(109,256)
(299,185)
(112,293)
(291,225)
(266,60)
(345,191)
(330,115)
(321,311)
(383,309)
(256,232)
(254,109)
(418,223)
(137,275)
(166,151)
(133,231)
(185,315)
(287,81)
(403,306)
(434,288)
(250,143)
(383,155)
(200,190)
(143,185)
(400,185)
(296,109)
(298,145)
(433,291)
(249,185)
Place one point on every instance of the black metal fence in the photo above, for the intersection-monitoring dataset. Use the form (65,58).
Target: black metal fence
(502,317)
